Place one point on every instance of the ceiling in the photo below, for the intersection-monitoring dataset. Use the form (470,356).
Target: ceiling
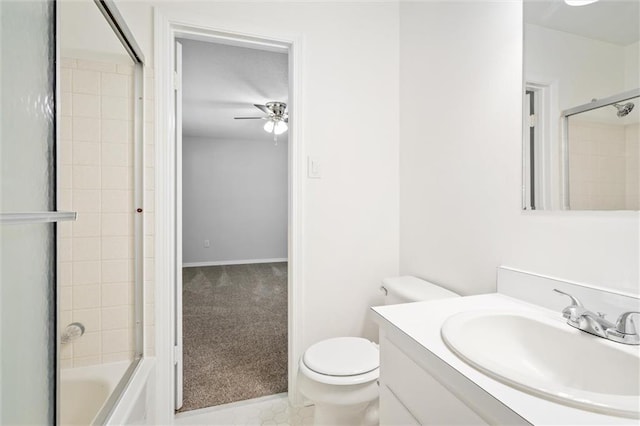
(220,82)
(612,21)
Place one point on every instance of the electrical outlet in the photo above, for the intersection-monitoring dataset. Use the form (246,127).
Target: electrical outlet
(207,244)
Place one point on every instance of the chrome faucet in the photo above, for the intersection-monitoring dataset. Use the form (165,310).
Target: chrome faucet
(623,331)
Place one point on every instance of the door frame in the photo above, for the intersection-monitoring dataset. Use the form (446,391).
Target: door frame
(166,226)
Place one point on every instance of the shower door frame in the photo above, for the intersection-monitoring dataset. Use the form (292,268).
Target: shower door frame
(166,32)
(121,30)
(111,14)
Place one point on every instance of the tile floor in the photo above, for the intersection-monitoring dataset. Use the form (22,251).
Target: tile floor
(273,410)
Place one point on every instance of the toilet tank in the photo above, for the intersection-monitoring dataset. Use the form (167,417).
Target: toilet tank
(411,289)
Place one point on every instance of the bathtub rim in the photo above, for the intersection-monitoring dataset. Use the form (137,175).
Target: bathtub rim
(100,372)
(139,379)
(106,411)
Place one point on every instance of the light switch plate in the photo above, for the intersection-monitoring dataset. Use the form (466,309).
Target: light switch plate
(313,168)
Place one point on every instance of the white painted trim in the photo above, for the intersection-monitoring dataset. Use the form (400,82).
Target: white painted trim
(551,189)
(164,221)
(232,262)
(165,31)
(177,326)
(297,176)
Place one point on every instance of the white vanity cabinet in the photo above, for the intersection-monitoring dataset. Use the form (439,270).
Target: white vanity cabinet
(407,386)
(422,381)
(392,411)
(418,388)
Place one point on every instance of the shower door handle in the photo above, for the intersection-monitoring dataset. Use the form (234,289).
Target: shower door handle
(37,217)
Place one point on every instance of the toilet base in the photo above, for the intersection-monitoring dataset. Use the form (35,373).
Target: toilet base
(364,414)
(341,405)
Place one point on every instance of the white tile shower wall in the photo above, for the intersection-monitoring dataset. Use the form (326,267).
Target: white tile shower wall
(96,251)
(600,169)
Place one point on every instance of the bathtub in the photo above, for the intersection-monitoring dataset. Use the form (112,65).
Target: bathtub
(85,390)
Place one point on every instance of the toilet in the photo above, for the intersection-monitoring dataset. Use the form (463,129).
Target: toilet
(340,375)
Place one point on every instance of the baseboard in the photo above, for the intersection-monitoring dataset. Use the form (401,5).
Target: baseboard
(233,262)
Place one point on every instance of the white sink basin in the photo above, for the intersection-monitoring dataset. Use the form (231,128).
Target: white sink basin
(546,357)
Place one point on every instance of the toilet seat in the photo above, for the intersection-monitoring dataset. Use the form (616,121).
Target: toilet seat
(341,361)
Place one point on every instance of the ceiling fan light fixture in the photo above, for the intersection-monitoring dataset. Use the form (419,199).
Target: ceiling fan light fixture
(276,118)
(280,127)
(275,126)
(269,126)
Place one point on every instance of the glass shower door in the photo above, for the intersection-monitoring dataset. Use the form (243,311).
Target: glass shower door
(27,216)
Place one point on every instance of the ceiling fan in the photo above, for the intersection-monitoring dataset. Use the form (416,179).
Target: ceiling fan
(277,117)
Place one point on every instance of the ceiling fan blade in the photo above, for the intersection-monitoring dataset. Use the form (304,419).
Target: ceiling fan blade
(248,118)
(263,108)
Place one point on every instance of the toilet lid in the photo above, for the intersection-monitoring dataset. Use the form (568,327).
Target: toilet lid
(342,356)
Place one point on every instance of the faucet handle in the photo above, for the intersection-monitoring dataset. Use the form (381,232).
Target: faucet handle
(574,300)
(625,324)
(571,312)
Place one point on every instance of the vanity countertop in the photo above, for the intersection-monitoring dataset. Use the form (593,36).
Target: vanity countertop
(418,326)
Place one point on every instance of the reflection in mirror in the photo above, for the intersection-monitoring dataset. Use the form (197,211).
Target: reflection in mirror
(574,55)
(99,337)
(602,157)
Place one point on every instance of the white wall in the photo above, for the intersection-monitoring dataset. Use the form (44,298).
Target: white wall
(632,65)
(460,174)
(350,120)
(583,68)
(235,196)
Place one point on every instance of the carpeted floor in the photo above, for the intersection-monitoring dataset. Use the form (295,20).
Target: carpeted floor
(235,333)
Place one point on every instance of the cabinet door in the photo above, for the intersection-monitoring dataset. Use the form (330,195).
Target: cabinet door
(392,412)
(423,396)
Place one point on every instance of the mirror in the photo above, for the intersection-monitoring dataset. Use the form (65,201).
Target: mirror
(581,105)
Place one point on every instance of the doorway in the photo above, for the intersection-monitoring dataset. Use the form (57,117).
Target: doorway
(168,251)
(233,192)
